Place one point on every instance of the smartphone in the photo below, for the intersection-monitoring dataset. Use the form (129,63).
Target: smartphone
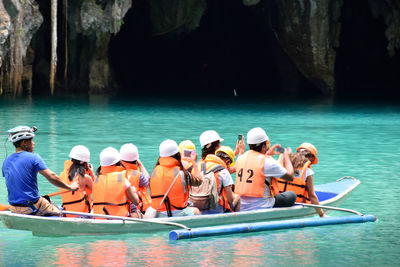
(280,149)
(187,153)
(240,137)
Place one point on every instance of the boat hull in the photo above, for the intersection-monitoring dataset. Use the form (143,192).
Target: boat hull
(332,194)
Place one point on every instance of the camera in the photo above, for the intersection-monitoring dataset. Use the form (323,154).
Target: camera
(187,153)
(280,149)
(240,137)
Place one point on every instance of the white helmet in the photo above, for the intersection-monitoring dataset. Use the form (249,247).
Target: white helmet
(168,148)
(109,156)
(256,136)
(80,153)
(129,152)
(20,133)
(208,137)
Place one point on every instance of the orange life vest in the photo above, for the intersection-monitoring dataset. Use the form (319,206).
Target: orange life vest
(161,179)
(109,193)
(132,170)
(250,180)
(79,200)
(211,161)
(298,185)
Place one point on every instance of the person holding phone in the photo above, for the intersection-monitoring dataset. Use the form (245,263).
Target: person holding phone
(256,173)
(170,182)
(187,148)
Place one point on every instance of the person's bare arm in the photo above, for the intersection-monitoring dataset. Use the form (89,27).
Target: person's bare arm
(197,178)
(287,164)
(88,181)
(240,147)
(229,193)
(132,195)
(56,180)
(313,197)
(142,168)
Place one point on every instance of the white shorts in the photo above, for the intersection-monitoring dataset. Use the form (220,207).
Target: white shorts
(254,203)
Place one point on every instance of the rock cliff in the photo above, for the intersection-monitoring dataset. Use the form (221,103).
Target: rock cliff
(302,37)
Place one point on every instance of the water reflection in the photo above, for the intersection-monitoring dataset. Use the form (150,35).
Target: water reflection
(358,141)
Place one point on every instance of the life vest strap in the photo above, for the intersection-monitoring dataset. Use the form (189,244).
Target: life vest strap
(74,202)
(303,197)
(168,206)
(179,208)
(110,204)
(287,182)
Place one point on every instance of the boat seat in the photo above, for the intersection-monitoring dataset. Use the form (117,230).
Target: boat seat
(324,195)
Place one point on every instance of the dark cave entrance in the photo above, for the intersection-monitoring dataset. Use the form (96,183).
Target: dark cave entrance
(364,70)
(233,48)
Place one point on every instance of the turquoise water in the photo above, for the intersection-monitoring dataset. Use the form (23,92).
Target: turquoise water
(359,140)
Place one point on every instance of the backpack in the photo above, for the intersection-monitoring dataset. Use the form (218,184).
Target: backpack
(206,195)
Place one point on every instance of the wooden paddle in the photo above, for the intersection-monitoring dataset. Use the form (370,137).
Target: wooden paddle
(4,207)
(328,208)
(58,193)
(125,218)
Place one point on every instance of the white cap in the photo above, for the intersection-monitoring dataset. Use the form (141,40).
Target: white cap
(80,152)
(256,136)
(208,137)
(129,152)
(109,156)
(168,148)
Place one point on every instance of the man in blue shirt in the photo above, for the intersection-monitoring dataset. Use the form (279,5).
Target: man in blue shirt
(20,171)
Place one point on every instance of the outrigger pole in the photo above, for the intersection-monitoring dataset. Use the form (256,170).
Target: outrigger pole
(266,226)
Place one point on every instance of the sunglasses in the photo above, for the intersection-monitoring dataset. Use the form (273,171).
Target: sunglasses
(224,156)
(308,154)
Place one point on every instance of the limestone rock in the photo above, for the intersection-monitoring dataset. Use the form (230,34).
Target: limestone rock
(389,10)
(309,31)
(19,20)
(176,15)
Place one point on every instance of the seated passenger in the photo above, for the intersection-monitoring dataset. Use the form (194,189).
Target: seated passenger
(170,182)
(20,171)
(138,176)
(79,170)
(210,142)
(303,184)
(111,188)
(256,171)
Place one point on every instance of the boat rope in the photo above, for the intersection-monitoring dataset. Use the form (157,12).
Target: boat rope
(328,208)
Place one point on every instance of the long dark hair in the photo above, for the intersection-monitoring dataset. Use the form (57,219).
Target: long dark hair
(77,168)
(210,149)
(298,159)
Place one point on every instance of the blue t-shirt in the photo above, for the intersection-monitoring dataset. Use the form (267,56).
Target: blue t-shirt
(20,171)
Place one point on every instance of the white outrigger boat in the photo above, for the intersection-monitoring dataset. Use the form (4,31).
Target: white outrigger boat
(332,194)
